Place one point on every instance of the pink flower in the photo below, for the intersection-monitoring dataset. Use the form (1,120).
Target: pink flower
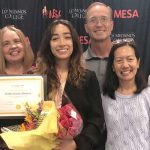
(69,122)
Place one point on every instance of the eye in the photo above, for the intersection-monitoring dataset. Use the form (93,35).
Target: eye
(131,59)
(119,61)
(104,18)
(54,38)
(68,37)
(17,41)
(5,43)
(92,20)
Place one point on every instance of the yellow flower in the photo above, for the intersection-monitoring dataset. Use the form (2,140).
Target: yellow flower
(28,118)
(22,127)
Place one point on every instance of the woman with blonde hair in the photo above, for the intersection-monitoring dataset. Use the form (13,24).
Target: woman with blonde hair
(16,58)
(15,50)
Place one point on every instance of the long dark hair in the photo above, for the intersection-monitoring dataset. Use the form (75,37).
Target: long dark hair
(111,82)
(47,59)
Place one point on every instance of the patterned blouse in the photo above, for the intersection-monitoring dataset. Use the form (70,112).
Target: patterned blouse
(128,121)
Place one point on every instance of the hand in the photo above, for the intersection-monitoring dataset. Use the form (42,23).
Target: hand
(32,70)
(66,144)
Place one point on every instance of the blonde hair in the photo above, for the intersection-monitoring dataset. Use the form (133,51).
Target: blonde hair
(28,57)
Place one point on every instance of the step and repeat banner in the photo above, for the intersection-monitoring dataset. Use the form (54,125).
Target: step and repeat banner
(131,20)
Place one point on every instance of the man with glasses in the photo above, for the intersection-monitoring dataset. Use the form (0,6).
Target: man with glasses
(99,25)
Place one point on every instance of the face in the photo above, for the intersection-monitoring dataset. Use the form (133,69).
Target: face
(12,47)
(61,43)
(125,63)
(99,23)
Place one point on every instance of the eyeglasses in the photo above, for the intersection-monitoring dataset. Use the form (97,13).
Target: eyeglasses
(95,20)
(125,40)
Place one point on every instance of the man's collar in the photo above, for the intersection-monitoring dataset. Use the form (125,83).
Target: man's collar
(88,54)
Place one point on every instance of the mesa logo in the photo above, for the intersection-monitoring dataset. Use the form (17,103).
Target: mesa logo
(52,14)
(84,40)
(126,13)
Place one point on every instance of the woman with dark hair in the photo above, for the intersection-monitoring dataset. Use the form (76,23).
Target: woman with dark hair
(126,99)
(60,58)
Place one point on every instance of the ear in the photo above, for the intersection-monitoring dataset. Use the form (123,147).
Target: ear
(112,25)
(86,28)
(27,40)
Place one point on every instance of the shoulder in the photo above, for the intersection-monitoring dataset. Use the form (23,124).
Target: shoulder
(106,99)
(88,76)
(90,73)
(146,91)
(90,79)
(145,94)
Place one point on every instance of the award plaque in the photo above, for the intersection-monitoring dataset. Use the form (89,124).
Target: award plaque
(15,91)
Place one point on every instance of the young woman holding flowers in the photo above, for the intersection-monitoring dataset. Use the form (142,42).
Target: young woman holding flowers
(61,60)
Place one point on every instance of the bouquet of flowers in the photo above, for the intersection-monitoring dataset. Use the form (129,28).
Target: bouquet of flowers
(32,135)
(44,124)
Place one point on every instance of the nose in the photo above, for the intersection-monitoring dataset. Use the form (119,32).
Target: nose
(13,45)
(125,63)
(62,41)
(99,22)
